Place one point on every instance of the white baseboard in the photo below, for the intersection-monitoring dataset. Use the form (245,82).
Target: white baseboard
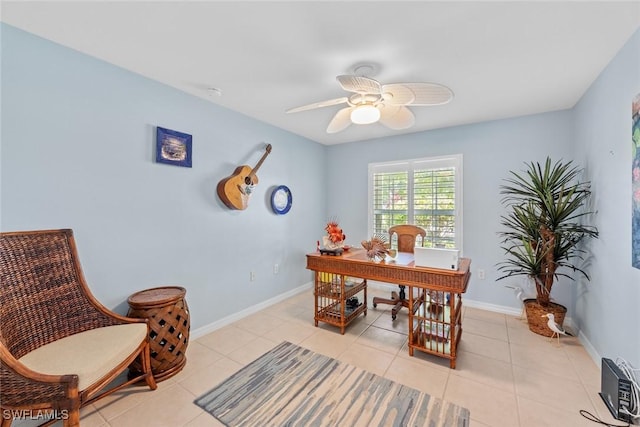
(204,330)
(502,309)
(381,285)
(467,302)
(568,322)
(511,311)
(591,350)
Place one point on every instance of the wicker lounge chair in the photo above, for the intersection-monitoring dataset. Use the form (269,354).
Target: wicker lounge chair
(59,347)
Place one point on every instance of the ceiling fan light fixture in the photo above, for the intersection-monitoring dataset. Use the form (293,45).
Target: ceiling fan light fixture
(365,114)
(370,101)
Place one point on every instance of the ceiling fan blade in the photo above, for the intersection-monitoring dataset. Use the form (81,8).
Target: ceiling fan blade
(416,94)
(340,121)
(320,104)
(359,84)
(396,117)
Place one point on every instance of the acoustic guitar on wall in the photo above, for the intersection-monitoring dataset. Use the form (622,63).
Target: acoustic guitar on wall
(235,190)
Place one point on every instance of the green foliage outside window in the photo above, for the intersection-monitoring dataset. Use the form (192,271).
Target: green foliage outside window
(431,205)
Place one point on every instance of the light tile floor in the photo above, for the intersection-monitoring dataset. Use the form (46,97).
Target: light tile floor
(506,375)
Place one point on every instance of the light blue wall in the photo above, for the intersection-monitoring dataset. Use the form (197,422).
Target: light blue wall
(489,151)
(608,306)
(596,135)
(77,152)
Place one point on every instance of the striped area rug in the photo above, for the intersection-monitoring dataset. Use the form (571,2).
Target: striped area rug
(293,386)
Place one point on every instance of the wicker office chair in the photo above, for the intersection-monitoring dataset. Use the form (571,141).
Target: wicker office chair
(59,347)
(407,235)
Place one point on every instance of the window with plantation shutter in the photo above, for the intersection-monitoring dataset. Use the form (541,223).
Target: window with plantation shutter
(425,192)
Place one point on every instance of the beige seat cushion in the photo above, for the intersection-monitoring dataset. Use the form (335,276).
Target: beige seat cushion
(90,354)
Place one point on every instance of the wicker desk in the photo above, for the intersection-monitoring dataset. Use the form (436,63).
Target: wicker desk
(435,313)
(168,315)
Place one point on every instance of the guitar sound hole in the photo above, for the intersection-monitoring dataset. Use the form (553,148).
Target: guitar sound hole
(247,180)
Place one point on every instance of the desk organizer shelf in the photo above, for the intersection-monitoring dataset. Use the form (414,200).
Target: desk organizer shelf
(437,323)
(331,293)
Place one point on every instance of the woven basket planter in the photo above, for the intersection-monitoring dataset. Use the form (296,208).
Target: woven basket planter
(537,319)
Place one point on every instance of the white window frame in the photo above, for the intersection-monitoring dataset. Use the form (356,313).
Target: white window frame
(410,166)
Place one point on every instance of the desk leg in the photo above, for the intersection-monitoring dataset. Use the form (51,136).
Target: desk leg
(410,320)
(453,331)
(315,297)
(366,301)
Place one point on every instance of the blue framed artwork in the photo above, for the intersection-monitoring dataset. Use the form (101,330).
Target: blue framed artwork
(173,147)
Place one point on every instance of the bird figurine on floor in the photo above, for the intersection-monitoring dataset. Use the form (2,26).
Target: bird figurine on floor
(521,295)
(557,329)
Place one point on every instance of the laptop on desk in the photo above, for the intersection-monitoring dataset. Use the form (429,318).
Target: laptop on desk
(445,259)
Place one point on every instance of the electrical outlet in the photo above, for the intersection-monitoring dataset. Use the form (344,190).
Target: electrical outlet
(252,276)
(481,274)
(276,268)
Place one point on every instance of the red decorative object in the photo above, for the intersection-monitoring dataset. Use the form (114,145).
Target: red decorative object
(335,232)
(376,247)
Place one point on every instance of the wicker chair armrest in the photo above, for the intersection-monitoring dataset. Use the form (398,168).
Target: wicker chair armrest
(135,320)
(108,316)
(25,388)
(124,319)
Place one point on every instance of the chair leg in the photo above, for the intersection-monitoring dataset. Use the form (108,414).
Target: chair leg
(398,300)
(389,301)
(145,359)
(394,311)
(73,420)
(72,408)
(6,421)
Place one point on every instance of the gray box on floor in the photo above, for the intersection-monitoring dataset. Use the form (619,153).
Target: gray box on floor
(616,390)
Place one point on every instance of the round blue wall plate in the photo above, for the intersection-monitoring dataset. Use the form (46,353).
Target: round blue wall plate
(281,199)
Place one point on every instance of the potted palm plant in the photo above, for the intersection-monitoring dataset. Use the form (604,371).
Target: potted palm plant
(544,227)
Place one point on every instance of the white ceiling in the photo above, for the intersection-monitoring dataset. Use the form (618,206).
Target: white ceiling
(501,59)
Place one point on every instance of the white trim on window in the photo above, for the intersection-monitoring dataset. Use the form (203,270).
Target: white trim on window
(400,203)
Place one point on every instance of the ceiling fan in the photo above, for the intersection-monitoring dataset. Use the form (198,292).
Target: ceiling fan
(372,102)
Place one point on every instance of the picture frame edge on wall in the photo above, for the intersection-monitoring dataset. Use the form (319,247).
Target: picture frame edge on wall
(635,181)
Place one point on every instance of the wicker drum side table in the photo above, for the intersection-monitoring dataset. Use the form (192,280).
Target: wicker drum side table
(168,315)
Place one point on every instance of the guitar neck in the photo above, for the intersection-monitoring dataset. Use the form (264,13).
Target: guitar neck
(264,156)
(255,169)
